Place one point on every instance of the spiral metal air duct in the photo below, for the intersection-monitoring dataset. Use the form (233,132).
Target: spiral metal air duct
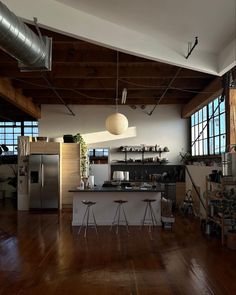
(19,41)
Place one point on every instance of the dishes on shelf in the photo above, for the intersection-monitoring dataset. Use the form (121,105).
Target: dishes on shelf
(143,148)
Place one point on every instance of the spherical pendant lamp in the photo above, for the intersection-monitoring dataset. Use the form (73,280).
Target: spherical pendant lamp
(116,123)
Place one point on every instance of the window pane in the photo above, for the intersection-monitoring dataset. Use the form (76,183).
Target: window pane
(204,113)
(9,130)
(217,145)
(106,152)
(18,123)
(195,132)
(200,131)
(9,141)
(27,123)
(8,136)
(211,146)
(200,116)
(222,123)
(210,109)
(192,120)
(216,106)
(204,130)
(196,118)
(200,148)
(222,106)
(216,126)
(27,130)
(192,134)
(205,148)
(223,143)
(17,130)
(197,148)
(211,127)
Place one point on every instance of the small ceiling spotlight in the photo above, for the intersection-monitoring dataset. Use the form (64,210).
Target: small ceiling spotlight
(133,107)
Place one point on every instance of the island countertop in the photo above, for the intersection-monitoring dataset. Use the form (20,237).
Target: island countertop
(118,190)
(105,206)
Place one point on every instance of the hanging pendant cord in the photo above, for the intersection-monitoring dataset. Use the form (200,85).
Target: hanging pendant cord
(117,79)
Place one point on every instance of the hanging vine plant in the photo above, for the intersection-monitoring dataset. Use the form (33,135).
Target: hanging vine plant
(78,138)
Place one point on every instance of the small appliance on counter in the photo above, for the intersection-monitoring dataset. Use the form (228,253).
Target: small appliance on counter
(118,175)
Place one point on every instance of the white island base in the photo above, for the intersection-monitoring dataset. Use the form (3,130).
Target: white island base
(105,208)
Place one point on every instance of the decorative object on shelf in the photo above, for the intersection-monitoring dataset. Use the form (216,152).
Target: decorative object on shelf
(68,138)
(41,138)
(117,123)
(78,138)
(145,149)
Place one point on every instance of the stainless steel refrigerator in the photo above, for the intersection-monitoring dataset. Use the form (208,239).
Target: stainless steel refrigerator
(44,181)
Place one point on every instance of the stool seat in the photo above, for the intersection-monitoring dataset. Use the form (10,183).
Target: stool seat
(88,203)
(120,201)
(149,200)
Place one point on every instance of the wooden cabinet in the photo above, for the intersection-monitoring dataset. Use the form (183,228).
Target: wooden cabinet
(70,171)
(42,147)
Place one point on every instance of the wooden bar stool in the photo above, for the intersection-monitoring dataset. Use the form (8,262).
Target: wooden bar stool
(117,218)
(85,222)
(149,217)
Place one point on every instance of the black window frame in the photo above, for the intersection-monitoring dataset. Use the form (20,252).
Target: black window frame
(9,132)
(208,136)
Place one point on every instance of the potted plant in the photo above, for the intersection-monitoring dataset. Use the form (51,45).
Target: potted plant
(78,138)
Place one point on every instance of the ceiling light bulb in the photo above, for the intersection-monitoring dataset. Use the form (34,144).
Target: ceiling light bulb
(124,95)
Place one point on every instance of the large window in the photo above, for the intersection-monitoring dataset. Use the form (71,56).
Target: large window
(208,131)
(9,132)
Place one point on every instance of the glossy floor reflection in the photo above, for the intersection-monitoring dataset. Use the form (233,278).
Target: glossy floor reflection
(44,255)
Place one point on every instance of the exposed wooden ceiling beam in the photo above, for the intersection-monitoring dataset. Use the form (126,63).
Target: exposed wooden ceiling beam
(15,97)
(201,99)
(71,70)
(110,83)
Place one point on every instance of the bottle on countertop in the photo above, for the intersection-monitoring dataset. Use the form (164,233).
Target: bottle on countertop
(81,185)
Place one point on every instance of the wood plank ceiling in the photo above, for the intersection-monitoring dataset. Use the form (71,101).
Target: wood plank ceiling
(84,73)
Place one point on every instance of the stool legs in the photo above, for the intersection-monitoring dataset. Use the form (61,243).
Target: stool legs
(117,218)
(86,216)
(152,221)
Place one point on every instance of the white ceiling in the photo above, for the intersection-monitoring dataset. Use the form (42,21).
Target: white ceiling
(155,29)
(213,21)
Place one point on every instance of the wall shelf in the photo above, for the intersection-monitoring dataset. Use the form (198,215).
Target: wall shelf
(144,150)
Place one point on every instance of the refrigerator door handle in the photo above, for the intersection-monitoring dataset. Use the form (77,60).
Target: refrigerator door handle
(42,178)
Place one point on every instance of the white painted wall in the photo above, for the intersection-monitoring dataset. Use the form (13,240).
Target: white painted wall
(165,127)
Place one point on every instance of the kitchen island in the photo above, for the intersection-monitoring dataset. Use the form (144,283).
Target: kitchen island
(105,208)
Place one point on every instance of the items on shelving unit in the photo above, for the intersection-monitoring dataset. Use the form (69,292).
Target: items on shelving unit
(145,149)
(221,204)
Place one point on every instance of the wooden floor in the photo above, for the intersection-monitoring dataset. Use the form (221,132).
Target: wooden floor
(39,255)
